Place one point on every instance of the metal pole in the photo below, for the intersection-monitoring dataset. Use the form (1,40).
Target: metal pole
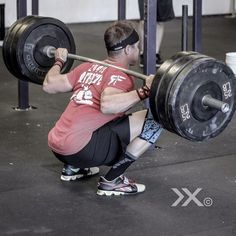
(233,14)
(2,21)
(121,9)
(23,86)
(197,25)
(233,9)
(35,7)
(150,22)
(184,40)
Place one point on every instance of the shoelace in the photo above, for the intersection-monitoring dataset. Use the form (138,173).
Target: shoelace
(128,181)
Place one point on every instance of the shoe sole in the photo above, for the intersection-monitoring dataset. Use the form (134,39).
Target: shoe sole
(114,193)
(75,177)
(71,178)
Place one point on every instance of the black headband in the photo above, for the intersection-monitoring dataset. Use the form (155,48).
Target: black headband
(133,38)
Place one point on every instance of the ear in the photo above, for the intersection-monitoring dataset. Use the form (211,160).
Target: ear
(127,49)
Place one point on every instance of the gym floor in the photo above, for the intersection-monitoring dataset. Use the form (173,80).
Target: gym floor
(34,201)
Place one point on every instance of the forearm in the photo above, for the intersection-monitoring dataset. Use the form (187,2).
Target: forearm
(52,73)
(119,102)
(55,82)
(50,79)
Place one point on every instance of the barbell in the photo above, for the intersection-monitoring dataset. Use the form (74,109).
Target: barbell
(192,95)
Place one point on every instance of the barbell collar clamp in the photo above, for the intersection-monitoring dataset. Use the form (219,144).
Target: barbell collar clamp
(209,101)
(50,52)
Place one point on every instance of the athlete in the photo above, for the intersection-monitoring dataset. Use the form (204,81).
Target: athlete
(95,129)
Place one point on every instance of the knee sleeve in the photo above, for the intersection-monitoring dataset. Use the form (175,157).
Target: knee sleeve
(151,129)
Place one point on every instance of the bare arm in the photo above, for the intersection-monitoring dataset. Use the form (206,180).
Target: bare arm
(54,81)
(115,100)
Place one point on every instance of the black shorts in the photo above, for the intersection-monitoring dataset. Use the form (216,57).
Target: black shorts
(106,146)
(165,11)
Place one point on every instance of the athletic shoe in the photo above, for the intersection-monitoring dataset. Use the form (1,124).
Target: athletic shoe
(70,173)
(119,186)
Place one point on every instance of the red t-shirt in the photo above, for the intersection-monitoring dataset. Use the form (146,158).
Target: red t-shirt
(83,116)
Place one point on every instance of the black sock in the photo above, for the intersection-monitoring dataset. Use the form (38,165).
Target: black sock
(119,168)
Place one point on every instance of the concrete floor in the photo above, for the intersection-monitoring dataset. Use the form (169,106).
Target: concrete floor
(33,200)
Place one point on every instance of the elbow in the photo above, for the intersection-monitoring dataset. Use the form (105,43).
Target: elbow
(49,90)
(106,106)
(47,86)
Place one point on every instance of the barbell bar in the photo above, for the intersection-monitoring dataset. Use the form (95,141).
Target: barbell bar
(192,95)
(50,52)
(207,100)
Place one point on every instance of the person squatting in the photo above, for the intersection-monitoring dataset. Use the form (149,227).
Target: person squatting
(94,129)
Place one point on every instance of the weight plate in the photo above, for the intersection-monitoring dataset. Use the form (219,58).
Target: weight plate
(163,82)
(165,87)
(45,31)
(8,56)
(161,72)
(13,46)
(189,118)
(23,48)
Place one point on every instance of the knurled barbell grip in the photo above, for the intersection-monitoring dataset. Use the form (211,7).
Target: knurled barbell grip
(209,101)
(50,52)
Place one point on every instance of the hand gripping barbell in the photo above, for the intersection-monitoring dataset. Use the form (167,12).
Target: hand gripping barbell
(192,95)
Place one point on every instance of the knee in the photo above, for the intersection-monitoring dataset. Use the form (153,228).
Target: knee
(151,129)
